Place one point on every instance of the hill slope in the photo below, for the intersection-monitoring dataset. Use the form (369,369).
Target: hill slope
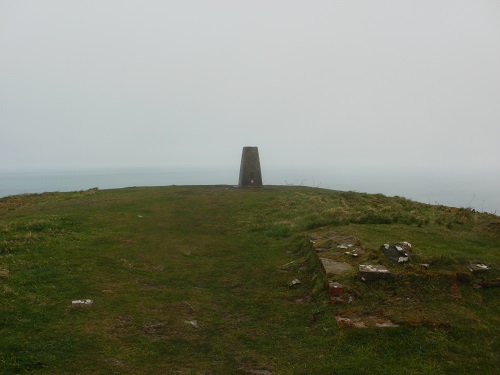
(198,280)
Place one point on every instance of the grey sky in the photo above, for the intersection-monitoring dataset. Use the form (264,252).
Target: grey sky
(150,83)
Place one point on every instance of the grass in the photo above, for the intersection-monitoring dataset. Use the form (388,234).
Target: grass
(196,280)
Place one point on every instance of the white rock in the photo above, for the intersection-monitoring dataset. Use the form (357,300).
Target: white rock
(81,302)
(483,266)
(386,325)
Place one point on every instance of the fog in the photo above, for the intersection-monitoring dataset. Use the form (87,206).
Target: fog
(341,85)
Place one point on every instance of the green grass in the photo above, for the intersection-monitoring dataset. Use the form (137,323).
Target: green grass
(155,259)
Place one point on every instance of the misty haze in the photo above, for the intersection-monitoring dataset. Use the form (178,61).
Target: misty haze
(357,90)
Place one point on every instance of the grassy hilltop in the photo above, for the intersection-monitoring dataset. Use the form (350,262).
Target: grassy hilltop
(197,280)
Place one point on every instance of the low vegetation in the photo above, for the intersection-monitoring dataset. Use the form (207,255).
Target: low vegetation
(198,280)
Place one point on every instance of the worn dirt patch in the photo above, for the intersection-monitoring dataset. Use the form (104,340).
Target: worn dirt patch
(364,322)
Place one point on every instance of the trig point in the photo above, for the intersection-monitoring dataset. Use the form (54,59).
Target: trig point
(250,174)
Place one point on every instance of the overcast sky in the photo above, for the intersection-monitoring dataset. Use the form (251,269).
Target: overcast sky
(183,83)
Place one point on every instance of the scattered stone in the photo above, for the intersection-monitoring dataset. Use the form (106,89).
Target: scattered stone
(337,299)
(425,265)
(368,272)
(335,241)
(348,323)
(478,267)
(398,252)
(387,324)
(81,303)
(331,266)
(335,289)
(194,323)
(295,282)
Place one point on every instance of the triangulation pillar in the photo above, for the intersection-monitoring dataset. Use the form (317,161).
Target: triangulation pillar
(250,174)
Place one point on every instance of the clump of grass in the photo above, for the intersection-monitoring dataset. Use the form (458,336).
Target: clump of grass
(309,210)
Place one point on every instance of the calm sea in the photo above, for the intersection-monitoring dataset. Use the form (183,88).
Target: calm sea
(478,190)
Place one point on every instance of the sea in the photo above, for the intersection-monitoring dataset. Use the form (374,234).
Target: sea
(478,190)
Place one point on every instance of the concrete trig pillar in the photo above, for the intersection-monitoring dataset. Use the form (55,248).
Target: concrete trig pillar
(250,174)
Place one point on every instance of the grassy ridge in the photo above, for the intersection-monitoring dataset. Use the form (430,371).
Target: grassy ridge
(196,280)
